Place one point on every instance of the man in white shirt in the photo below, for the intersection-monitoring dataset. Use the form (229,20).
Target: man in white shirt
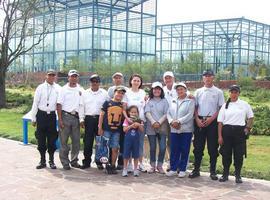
(92,101)
(209,99)
(68,103)
(169,81)
(44,118)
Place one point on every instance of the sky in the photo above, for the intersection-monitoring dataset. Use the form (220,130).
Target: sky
(177,11)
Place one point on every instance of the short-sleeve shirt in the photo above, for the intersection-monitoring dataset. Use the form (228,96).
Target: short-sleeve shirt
(236,113)
(137,99)
(208,100)
(113,116)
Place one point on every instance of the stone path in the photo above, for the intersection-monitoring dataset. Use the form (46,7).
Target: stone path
(19,180)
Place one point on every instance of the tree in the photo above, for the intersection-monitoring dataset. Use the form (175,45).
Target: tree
(20,32)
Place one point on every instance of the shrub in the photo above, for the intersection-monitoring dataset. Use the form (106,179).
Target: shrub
(261,120)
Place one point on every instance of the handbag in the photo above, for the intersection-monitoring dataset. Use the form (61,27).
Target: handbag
(102,150)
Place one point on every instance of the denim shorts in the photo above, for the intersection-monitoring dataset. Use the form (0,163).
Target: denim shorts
(114,138)
(131,145)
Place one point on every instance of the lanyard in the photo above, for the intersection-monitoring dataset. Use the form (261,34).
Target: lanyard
(49,91)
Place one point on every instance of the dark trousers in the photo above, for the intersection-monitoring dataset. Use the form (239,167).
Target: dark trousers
(233,144)
(208,134)
(46,133)
(91,131)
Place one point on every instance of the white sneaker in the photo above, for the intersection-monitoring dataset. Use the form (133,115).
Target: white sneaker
(136,173)
(160,170)
(130,167)
(151,170)
(182,174)
(142,168)
(171,173)
(124,173)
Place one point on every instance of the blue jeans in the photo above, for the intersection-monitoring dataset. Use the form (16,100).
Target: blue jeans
(153,139)
(180,147)
(113,137)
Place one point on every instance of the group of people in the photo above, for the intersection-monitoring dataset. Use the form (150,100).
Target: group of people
(169,115)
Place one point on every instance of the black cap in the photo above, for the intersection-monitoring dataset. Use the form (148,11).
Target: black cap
(94,77)
(234,87)
(120,88)
(208,72)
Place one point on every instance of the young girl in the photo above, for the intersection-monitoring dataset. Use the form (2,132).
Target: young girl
(132,139)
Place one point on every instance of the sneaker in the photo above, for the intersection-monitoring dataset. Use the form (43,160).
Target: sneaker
(213,176)
(223,178)
(194,174)
(119,167)
(182,174)
(238,179)
(52,165)
(130,167)
(151,170)
(108,169)
(142,168)
(114,170)
(76,165)
(100,167)
(160,170)
(125,173)
(171,173)
(136,173)
(66,167)
(168,168)
(41,165)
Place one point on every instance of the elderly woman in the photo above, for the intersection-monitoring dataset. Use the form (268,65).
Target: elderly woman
(235,119)
(180,118)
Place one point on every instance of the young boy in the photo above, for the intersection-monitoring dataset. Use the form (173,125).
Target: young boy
(110,121)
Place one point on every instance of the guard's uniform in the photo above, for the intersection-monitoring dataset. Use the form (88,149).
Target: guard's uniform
(70,98)
(92,102)
(43,113)
(208,102)
(234,121)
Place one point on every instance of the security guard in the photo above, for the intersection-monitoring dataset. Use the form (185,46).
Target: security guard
(44,118)
(235,119)
(209,99)
(93,99)
(68,103)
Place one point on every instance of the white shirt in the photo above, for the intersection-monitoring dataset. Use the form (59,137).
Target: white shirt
(208,100)
(170,94)
(92,102)
(236,113)
(45,98)
(137,99)
(70,98)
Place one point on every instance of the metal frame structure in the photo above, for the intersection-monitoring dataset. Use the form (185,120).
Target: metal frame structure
(88,31)
(224,44)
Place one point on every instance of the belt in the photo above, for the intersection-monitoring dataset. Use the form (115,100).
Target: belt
(69,113)
(233,126)
(204,117)
(92,116)
(46,112)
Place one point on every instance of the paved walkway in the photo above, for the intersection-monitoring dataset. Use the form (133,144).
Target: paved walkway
(19,180)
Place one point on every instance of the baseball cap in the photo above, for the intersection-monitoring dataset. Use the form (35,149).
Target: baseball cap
(73,72)
(168,73)
(208,72)
(94,77)
(120,88)
(178,84)
(234,87)
(117,74)
(51,71)
(156,84)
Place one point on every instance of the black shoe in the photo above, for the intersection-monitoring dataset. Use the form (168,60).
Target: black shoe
(76,165)
(66,167)
(84,166)
(114,170)
(119,167)
(223,178)
(41,165)
(213,176)
(238,179)
(100,166)
(194,174)
(52,165)
(108,169)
